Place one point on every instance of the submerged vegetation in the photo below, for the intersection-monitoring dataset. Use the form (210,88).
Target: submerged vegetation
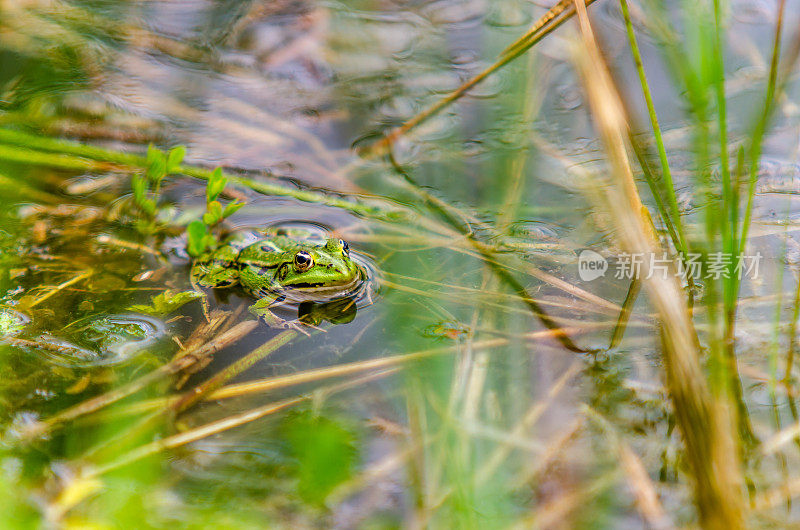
(578,288)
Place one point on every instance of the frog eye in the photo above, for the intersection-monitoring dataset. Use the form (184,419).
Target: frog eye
(345,247)
(303,261)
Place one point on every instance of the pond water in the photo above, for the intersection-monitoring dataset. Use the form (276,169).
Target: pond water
(478,380)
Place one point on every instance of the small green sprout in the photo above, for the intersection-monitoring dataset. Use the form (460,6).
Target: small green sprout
(215,213)
(147,187)
(175,158)
(200,233)
(199,238)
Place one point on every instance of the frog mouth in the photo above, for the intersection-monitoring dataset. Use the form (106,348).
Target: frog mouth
(317,291)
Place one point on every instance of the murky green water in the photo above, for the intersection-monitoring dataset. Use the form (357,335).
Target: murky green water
(448,401)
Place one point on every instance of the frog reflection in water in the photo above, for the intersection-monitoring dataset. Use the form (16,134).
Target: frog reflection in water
(280,266)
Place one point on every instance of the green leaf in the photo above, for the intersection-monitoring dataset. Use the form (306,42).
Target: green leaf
(152,154)
(231,209)
(139,185)
(166,302)
(216,183)
(197,238)
(175,158)
(325,453)
(210,242)
(148,205)
(214,213)
(156,164)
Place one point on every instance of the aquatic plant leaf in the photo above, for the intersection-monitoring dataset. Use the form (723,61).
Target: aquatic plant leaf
(175,158)
(324,450)
(214,213)
(139,185)
(166,302)
(148,205)
(156,164)
(198,238)
(231,209)
(216,183)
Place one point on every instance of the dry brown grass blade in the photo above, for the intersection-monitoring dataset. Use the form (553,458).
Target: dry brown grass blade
(56,289)
(777,496)
(272,383)
(560,512)
(261,386)
(215,326)
(644,491)
(704,419)
(531,417)
(639,481)
(625,313)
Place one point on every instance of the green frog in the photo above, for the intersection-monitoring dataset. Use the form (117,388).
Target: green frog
(279,266)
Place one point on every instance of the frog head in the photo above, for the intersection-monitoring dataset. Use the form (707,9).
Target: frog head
(319,266)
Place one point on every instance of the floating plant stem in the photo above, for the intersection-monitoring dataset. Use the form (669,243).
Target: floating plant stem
(65,154)
(625,313)
(261,386)
(56,289)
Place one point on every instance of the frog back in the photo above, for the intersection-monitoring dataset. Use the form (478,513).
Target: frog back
(260,261)
(220,268)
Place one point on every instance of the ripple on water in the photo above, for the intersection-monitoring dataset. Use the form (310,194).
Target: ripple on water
(776,177)
(508,15)
(105,341)
(773,176)
(11,322)
(569,97)
(754,11)
(451,12)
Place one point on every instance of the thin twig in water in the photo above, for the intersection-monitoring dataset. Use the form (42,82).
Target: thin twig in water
(58,288)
